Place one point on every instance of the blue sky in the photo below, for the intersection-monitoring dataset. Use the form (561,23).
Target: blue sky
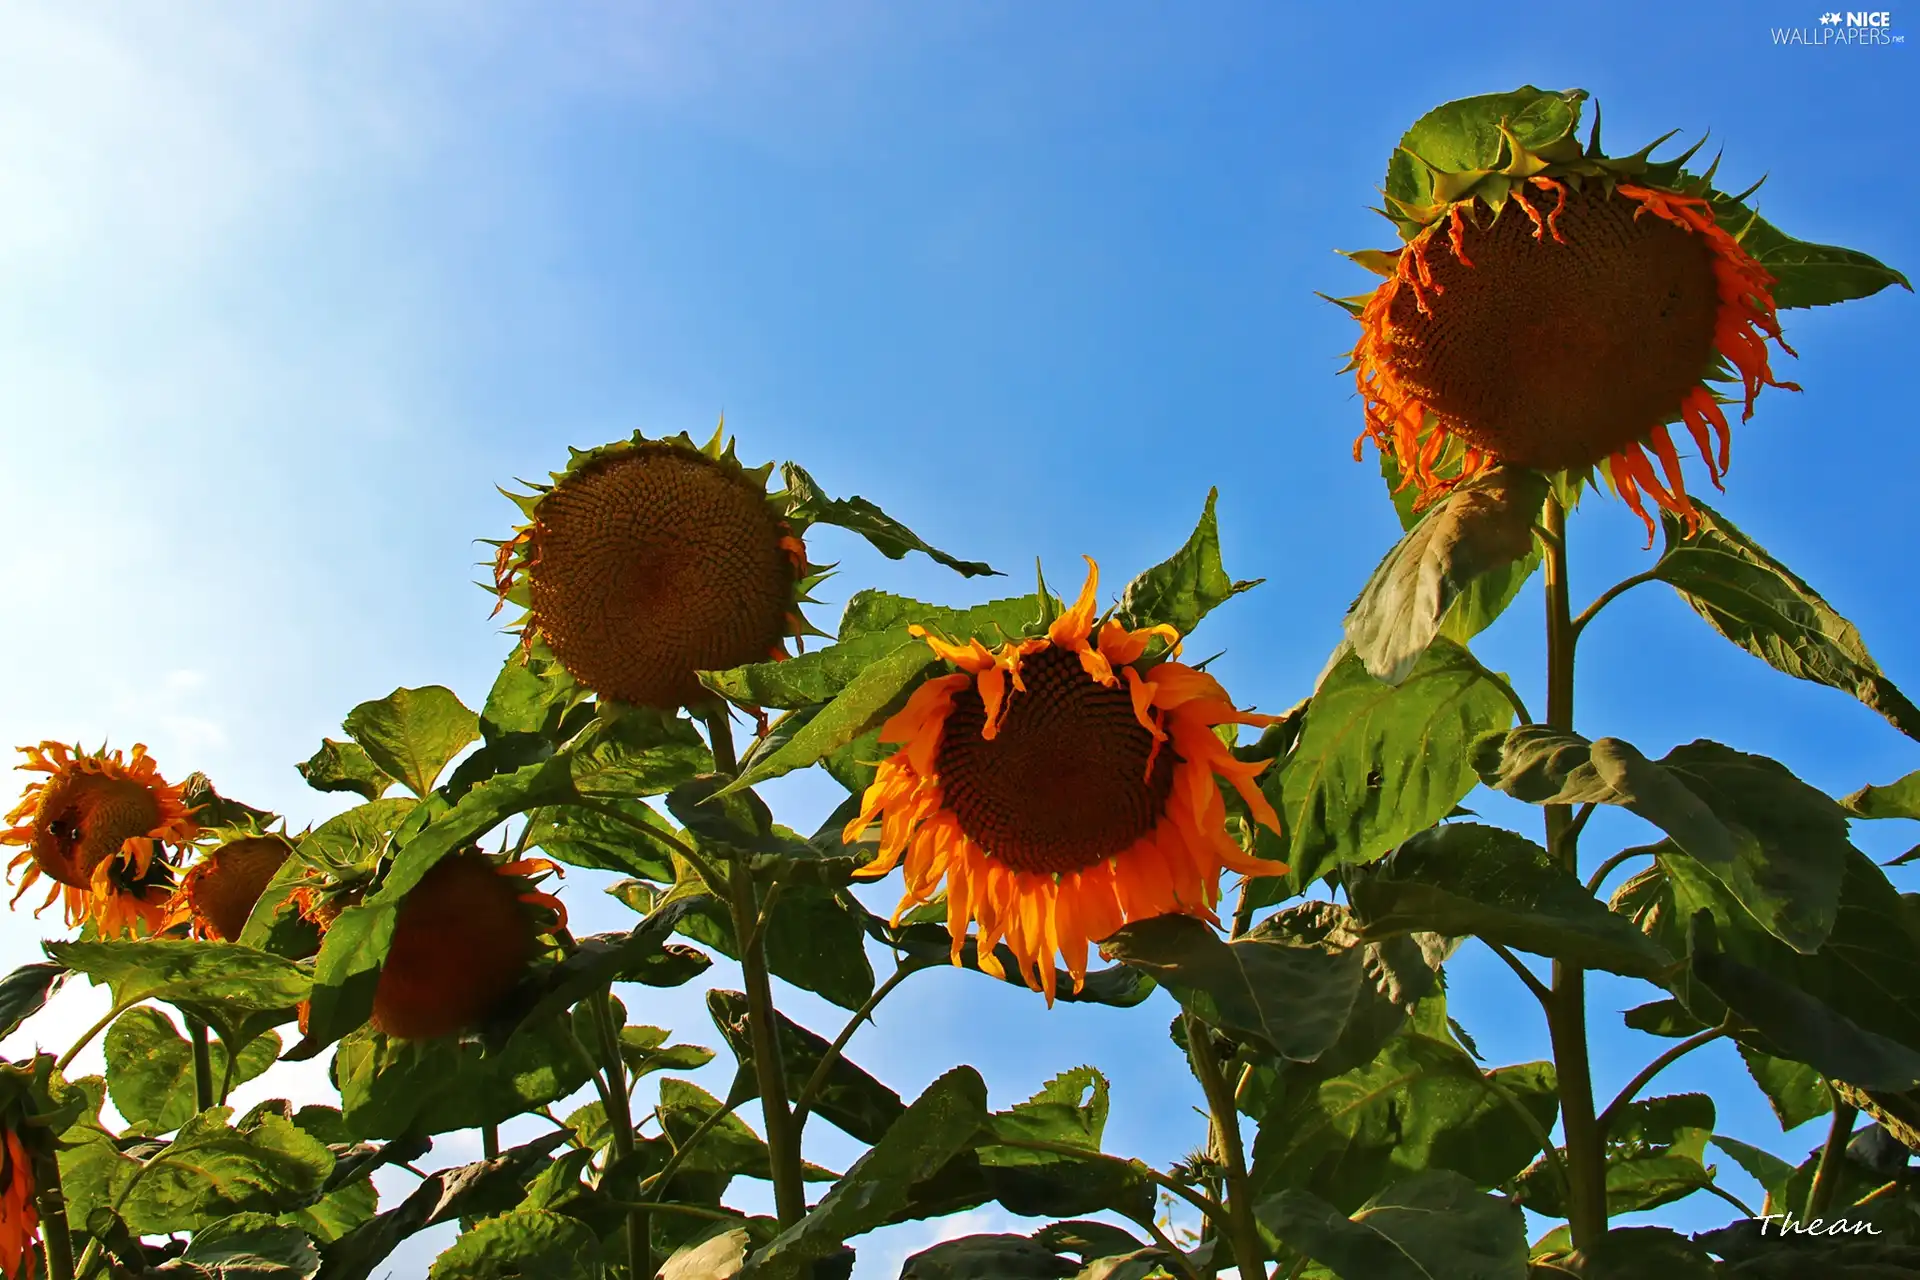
(284,292)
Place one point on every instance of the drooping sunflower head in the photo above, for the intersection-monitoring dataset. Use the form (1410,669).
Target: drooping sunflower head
(19,1219)
(647,561)
(1061,786)
(465,935)
(218,892)
(1558,309)
(99,826)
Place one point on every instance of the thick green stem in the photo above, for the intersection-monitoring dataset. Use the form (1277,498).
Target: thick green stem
(620,1119)
(1249,1254)
(1826,1177)
(490,1140)
(1586,1146)
(51,1202)
(776,1113)
(202,1064)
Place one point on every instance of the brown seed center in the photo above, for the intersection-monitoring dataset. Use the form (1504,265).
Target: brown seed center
(1554,355)
(1065,783)
(655,564)
(83,819)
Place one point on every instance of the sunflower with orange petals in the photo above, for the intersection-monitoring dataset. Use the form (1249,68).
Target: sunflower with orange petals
(99,826)
(1062,786)
(1558,309)
(19,1219)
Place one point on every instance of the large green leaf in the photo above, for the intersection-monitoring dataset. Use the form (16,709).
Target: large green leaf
(390,1087)
(1897,799)
(808,505)
(812,941)
(1461,878)
(987,1257)
(532,695)
(865,702)
(1481,527)
(1805,274)
(1655,1148)
(1375,762)
(25,991)
(1779,845)
(210,1170)
(524,1242)
(1794,1090)
(251,1246)
(344,766)
(1185,587)
(1292,999)
(1433,1225)
(1422,1103)
(1765,608)
(850,1098)
(594,838)
(187,973)
(150,1068)
(1070,1109)
(806,678)
(1469,136)
(941,1123)
(411,734)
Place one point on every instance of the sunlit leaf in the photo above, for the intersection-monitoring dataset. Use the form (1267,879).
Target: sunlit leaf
(808,505)
(390,1087)
(150,1068)
(1188,585)
(866,701)
(411,734)
(344,766)
(524,1242)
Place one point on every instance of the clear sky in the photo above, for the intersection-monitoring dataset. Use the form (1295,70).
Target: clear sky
(286,290)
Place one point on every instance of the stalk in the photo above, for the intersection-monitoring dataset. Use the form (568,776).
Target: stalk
(620,1120)
(776,1113)
(1826,1176)
(202,1064)
(1243,1232)
(51,1202)
(1567,1008)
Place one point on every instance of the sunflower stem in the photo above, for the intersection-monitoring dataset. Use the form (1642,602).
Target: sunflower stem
(620,1119)
(51,1201)
(1243,1233)
(776,1114)
(202,1064)
(490,1141)
(810,1091)
(1586,1147)
(1826,1175)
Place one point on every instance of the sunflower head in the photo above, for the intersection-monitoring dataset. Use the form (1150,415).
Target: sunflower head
(98,826)
(1556,308)
(218,892)
(465,935)
(647,561)
(1061,785)
(19,1219)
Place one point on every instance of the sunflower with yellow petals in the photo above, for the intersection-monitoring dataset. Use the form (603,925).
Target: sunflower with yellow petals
(1062,786)
(1559,309)
(648,561)
(99,827)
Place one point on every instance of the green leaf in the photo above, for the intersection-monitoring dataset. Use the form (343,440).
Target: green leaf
(1376,762)
(252,1246)
(390,1087)
(987,1257)
(1184,588)
(1899,799)
(1480,527)
(1765,1168)
(532,695)
(474,1190)
(1117,986)
(1422,1103)
(631,753)
(1765,608)
(350,844)
(1633,1253)
(1434,1225)
(214,811)
(1794,1090)
(867,700)
(1462,878)
(1293,999)
(808,505)
(871,611)
(1458,142)
(729,1146)
(150,1068)
(854,1101)
(1805,274)
(1664,1018)
(25,991)
(411,734)
(941,1123)
(209,1171)
(807,678)
(604,958)
(813,941)
(1779,845)
(344,766)
(525,1242)
(593,839)
(718,1257)
(236,990)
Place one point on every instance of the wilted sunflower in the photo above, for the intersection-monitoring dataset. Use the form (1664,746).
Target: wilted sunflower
(464,936)
(218,892)
(649,560)
(1558,309)
(19,1219)
(1062,786)
(98,827)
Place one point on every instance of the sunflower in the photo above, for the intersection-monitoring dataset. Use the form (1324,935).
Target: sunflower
(98,827)
(19,1220)
(1560,310)
(463,938)
(218,893)
(1062,786)
(647,561)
